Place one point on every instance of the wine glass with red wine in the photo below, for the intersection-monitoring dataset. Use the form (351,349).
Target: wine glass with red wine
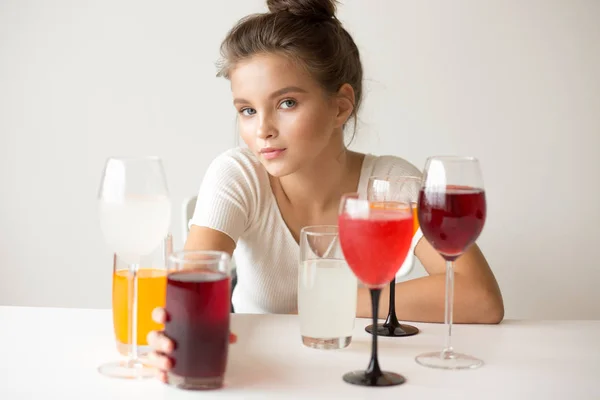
(375,238)
(451,211)
(389,188)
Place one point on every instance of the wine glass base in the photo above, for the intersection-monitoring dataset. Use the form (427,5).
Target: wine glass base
(360,378)
(448,360)
(127,370)
(399,331)
(142,350)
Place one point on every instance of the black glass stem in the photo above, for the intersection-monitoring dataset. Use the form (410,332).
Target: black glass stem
(373,376)
(373,371)
(392,327)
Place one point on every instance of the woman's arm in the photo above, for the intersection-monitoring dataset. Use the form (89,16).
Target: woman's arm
(202,238)
(477,297)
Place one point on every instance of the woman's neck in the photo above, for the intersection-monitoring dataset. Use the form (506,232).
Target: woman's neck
(319,185)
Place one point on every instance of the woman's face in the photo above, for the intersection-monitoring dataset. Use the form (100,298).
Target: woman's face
(284,116)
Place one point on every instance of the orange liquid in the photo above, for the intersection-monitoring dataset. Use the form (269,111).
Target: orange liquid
(415,219)
(390,205)
(152,286)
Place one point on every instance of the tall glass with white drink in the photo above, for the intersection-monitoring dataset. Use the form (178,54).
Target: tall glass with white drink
(135,214)
(327,290)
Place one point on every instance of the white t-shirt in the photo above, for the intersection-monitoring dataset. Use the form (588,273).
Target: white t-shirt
(236,198)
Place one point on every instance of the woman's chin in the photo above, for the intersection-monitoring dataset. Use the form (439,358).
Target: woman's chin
(278,169)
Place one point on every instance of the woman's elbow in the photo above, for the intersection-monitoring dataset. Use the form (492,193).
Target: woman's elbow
(490,307)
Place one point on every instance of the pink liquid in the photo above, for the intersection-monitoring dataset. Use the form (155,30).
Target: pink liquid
(452,220)
(198,308)
(375,248)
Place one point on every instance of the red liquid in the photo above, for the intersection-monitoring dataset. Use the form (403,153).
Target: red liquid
(453,220)
(198,308)
(375,248)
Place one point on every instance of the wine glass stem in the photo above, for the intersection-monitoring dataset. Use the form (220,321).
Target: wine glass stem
(373,370)
(449,304)
(392,319)
(133,312)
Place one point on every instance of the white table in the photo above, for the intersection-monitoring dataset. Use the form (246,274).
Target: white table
(53,353)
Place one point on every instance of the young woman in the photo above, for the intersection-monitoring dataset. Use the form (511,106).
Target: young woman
(296,81)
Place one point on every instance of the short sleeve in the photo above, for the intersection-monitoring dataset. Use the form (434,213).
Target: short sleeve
(227,197)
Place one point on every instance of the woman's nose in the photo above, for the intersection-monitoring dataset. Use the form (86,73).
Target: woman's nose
(266,128)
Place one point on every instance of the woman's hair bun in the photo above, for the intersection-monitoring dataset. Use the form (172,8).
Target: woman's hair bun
(312,9)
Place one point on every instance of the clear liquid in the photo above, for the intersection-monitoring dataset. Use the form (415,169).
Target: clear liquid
(326,299)
(135,226)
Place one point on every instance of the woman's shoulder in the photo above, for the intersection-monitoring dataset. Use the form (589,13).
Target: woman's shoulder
(240,156)
(238,170)
(393,165)
(238,163)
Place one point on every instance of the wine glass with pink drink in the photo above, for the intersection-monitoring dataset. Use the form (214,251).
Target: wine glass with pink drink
(375,237)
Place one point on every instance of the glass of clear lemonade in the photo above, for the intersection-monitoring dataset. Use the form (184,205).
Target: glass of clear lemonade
(327,290)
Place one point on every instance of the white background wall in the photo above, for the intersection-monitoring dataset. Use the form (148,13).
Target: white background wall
(513,82)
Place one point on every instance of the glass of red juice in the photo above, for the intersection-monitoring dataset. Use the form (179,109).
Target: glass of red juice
(375,238)
(197,305)
(451,211)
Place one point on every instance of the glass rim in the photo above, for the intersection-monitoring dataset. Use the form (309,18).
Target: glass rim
(357,199)
(351,195)
(133,158)
(312,230)
(395,177)
(452,158)
(383,177)
(213,256)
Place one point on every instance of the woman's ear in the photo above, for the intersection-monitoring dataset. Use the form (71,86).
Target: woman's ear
(345,104)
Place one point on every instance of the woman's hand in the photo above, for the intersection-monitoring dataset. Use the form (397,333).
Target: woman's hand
(162,346)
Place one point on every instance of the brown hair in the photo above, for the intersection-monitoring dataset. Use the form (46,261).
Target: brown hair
(308,32)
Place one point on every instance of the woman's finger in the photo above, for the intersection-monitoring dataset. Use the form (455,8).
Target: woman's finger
(162,376)
(159,315)
(159,361)
(159,342)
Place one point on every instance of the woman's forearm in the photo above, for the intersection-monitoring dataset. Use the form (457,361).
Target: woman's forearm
(422,300)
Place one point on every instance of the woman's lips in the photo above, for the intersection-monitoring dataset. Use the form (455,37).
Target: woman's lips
(270,153)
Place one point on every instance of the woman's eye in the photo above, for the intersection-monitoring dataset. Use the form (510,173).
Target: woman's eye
(248,111)
(288,103)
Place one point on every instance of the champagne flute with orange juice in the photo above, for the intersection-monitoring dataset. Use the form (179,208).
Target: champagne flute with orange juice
(387,189)
(152,281)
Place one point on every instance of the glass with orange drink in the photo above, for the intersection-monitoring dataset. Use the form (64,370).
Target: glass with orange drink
(387,190)
(151,290)
(415,219)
